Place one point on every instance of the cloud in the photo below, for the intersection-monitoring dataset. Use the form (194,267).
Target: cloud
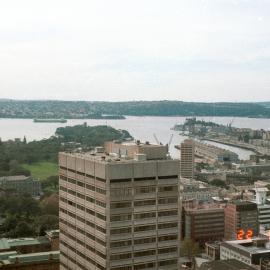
(123,49)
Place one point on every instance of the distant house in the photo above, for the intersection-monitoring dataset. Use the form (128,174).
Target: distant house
(21,184)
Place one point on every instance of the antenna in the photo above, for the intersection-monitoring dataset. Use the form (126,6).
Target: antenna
(156,139)
(170,141)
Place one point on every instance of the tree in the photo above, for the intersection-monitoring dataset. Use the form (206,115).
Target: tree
(24,229)
(47,222)
(50,205)
(50,184)
(218,183)
(189,248)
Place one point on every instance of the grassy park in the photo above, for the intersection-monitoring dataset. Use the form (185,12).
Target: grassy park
(42,170)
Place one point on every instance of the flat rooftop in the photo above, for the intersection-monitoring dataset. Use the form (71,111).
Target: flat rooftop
(6,244)
(30,258)
(248,245)
(15,178)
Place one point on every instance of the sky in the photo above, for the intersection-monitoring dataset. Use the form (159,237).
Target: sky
(191,50)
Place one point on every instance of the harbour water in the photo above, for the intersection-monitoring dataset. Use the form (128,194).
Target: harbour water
(141,128)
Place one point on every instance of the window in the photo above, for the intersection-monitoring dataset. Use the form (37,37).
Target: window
(167,238)
(167,225)
(71,192)
(167,250)
(124,191)
(144,203)
(122,268)
(169,262)
(101,179)
(100,216)
(168,177)
(168,213)
(125,243)
(102,204)
(90,187)
(120,205)
(121,231)
(81,196)
(148,189)
(144,266)
(120,180)
(168,200)
(167,188)
(81,184)
(144,228)
(63,189)
(145,253)
(145,215)
(100,190)
(120,256)
(145,178)
(80,207)
(144,241)
(122,217)
(90,199)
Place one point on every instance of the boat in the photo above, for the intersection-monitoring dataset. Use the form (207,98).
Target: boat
(41,120)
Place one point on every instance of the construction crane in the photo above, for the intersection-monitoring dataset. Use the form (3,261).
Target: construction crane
(170,141)
(160,143)
(230,124)
(156,139)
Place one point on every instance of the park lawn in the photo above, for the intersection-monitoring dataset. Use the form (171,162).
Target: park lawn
(42,170)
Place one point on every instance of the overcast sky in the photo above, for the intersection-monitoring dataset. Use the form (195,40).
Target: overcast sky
(193,50)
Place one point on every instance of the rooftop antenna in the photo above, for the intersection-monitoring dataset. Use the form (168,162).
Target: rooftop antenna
(156,139)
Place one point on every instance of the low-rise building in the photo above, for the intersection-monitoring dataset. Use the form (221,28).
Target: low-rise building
(263,206)
(212,250)
(31,261)
(50,242)
(248,251)
(265,264)
(241,220)
(204,223)
(21,184)
(225,265)
(214,153)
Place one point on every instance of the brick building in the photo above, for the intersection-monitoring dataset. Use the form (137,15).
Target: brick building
(204,223)
(241,220)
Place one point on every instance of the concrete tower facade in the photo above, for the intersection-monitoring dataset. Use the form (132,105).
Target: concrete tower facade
(119,212)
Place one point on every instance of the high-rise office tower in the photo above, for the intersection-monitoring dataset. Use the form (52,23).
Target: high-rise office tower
(119,208)
(187,159)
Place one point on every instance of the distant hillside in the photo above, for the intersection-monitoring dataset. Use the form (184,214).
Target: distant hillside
(87,109)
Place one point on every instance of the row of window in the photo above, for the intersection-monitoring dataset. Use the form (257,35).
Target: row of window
(128,204)
(146,265)
(84,197)
(136,179)
(143,253)
(139,216)
(87,210)
(84,244)
(88,235)
(87,258)
(84,174)
(143,228)
(87,222)
(81,184)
